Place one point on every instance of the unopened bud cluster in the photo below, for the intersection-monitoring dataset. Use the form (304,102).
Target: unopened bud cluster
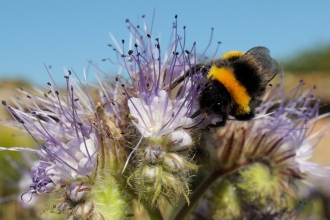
(164,165)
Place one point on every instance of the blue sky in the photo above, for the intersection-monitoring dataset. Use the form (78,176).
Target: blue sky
(65,34)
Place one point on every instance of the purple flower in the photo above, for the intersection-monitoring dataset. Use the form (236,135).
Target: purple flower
(61,125)
(278,135)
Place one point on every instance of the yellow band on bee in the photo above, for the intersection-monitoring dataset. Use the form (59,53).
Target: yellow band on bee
(234,87)
(231,54)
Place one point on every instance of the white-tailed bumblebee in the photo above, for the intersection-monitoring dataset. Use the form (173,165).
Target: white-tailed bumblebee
(234,84)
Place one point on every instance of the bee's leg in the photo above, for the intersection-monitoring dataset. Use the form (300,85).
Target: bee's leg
(200,121)
(220,123)
(245,117)
(193,70)
(198,112)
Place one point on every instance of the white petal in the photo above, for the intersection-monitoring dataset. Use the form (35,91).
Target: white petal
(88,147)
(85,167)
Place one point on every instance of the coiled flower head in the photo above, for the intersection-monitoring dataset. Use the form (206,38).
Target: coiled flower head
(75,143)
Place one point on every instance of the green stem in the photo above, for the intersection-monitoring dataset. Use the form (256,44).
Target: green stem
(200,191)
(154,212)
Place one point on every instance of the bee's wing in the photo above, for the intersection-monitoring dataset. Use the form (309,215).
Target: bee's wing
(269,66)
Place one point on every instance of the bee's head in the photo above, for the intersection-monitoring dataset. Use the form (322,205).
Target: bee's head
(215,98)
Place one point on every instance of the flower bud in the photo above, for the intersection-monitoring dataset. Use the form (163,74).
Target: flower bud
(77,190)
(266,187)
(174,162)
(62,206)
(179,141)
(154,153)
(84,210)
(150,173)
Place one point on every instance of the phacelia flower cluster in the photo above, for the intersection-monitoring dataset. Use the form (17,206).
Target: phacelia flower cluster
(140,143)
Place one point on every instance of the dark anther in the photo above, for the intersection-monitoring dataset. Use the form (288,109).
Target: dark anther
(123,55)
(270,84)
(123,41)
(33,113)
(114,49)
(157,39)
(49,92)
(158,46)
(127,20)
(66,77)
(135,45)
(45,95)
(109,45)
(148,35)
(56,92)
(219,42)
(104,59)
(143,16)
(117,79)
(79,123)
(28,96)
(187,52)
(176,16)
(124,93)
(49,84)
(212,29)
(122,85)
(138,54)
(71,88)
(69,72)
(4,103)
(314,87)
(147,84)
(138,26)
(184,27)
(177,53)
(130,52)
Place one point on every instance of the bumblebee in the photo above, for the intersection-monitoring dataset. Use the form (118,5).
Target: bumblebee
(234,84)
